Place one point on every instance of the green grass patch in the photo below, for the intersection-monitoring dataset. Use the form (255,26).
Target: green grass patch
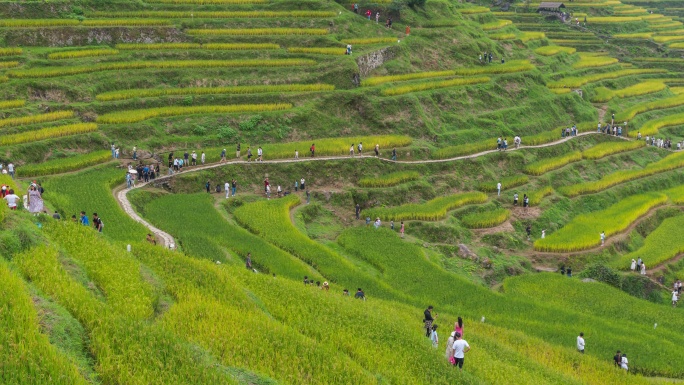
(536,196)
(652,127)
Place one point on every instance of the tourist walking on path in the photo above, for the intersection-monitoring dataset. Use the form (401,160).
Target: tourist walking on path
(460,347)
(312,149)
(633,266)
(208,186)
(296,154)
(357,209)
(580,343)
(401,229)
(498,189)
(617,359)
(675,298)
(97,222)
(377,150)
(428,320)
(449,354)
(308,197)
(458,326)
(351,150)
(12,200)
(603,238)
(394,154)
(233,186)
(203,158)
(639,262)
(301,184)
(226,187)
(223,155)
(237,150)
(624,362)
(360,294)
(10,169)
(643,268)
(194,158)
(248,261)
(433,337)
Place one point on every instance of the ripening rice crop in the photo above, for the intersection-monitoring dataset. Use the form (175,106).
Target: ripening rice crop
(560,91)
(10,51)
(537,195)
(583,231)
(640,35)
(374,81)
(677,90)
(27,356)
(7,104)
(317,50)
(603,94)
(62,165)
(545,165)
(502,36)
(218,14)
(74,54)
(602,150)
(528,36)
(576,42)
(659,104)
(506,183)
(613,19)
(257,31)
(47,133)
(389,180)
(578,81)
(431,210)
(667,39)
(400,90)
(32,119)
(659,59)
(8,64)
(132,116)
(37,23)
(496,25)
(47,72)
(668,163)
(677,45)
(473,10)
(665,26)
(653,126)
(508,67)
(372,40)
(590,61)
(659,246)
(485,219)
(206,46)
(551,50)
(255,89)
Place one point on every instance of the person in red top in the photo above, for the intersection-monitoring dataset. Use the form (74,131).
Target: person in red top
(313,149)
(368,14)
(266,184)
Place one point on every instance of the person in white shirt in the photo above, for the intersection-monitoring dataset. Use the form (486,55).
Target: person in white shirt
(296,154)
(643,269)
(498,188)
(675,297)
(603,237)
(433,337)
(226,187)
(633,266)
(624,362)
(580,343)
(12,200)
(460,347)
(203,157)
(10,169)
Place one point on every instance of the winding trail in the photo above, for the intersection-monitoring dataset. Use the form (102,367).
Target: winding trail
(120,193)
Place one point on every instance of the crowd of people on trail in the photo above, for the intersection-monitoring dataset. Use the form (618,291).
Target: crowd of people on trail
(456,346)
(7,170)
(326,287)
(488,57)
(32,201)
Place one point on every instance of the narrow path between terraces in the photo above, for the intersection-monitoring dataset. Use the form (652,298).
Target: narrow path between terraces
(120,193)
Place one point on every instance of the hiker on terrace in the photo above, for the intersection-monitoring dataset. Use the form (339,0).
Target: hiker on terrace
(599,127)
(675,297)
(208,186)
(226,187)
(360,147)
(429,319)
(617,359)
(643,268)
(450,347)
(237,150)
(351,150)
(580,343)
(249,154)
(296,154)
(368,14)
(223,156)
(639,262)
(84,219)
(35,200)
(360,294)
(603,238)
(12,200)
(624,362)
(260,155)
(357,209)
(394,154)
(377,223)
(461,347)
(203,158)
(498,189)
(233,186)
(633,265)
(401,229)
(433,336)
(458,326)
(10,169)
(97,223)
(312,149)
(528,230)
(302,184)
(515,199)
(151,239)
(194,158)
(186,156)
(377,150)
(248,261)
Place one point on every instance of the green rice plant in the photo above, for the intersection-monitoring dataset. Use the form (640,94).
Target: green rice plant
(673,32)
(75,54)
(257,31)
(389,180)
(473,10)
(591,61)
(502,36)
(128,351)
(677,45)
(666,26)
(659,246)
(8,64)
(506,183)
(495,25)
(668,163)
(372,40)
(255,89)
(602,150)
(485,219)
(401,90)
(62,165)
(133,116)
(122,66)
(217,14)
(659,59)
(207,46)
(653,126)
(37,23)
(205,2)
(676,194)
(545,165)
(628,12)
(508,67)
(33,119)
(319,51)
(583,231)
(578,81)
(660,20)
(667,39)
(528,36)
(8,104)
(551,50)
(640,35)
(537,195)
(47,133)
(613,19)
(10,51)
(432,210)
(575,42)
(28,357)
(658,104)
(677,90)
(603,94)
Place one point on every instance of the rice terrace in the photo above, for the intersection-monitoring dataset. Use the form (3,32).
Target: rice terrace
(341,192)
